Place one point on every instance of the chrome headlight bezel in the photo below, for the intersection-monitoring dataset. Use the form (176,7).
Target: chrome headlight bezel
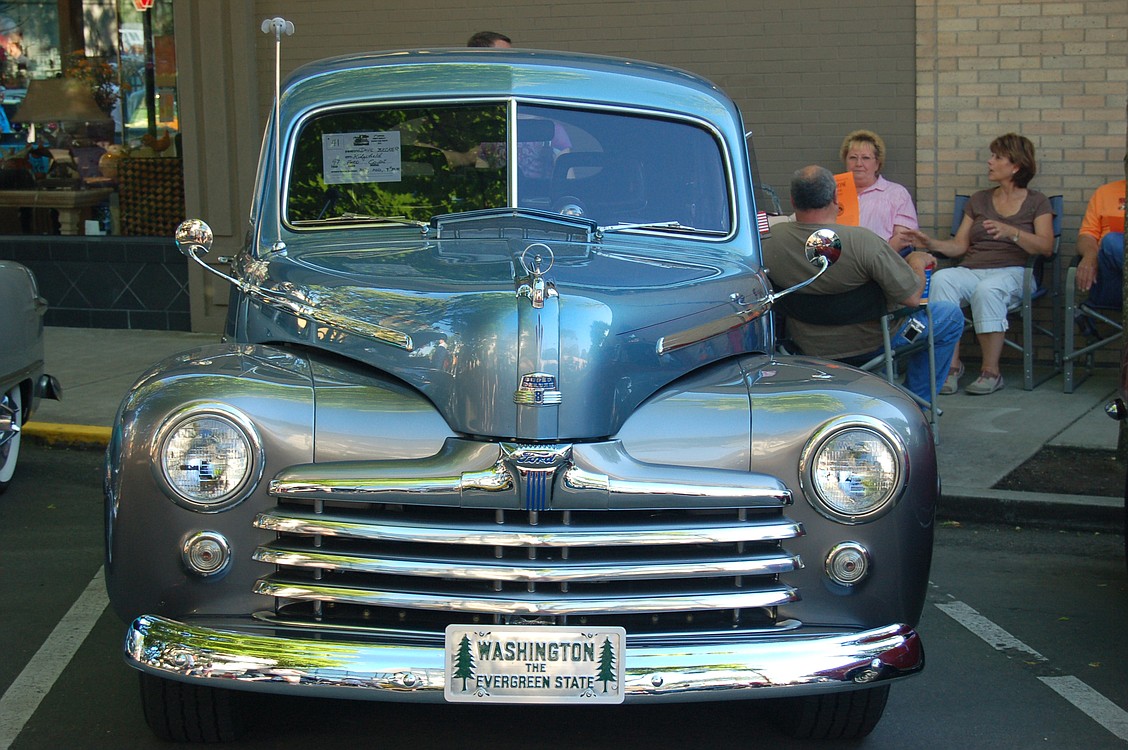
(245,432)
(895,456)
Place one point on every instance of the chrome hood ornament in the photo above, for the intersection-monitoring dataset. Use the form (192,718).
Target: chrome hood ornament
(533,285)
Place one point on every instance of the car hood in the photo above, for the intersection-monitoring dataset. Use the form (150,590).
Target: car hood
(514,337)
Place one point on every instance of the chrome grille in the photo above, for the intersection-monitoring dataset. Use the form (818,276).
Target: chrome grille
(400,565)
(510,532)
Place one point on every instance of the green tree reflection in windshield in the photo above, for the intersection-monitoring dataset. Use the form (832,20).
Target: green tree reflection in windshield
(405,162)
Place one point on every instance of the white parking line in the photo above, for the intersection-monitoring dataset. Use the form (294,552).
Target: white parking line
(1097,707)
(985,629)
(24,695)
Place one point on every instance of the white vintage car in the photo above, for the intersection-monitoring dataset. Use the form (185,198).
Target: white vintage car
(22,380)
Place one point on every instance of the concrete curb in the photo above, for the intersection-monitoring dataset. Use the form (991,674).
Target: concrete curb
(79,436)
(1043,510)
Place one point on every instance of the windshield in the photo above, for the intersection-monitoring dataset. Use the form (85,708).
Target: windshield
(414,162)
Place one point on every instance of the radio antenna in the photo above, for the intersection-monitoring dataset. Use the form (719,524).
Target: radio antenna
(278,26)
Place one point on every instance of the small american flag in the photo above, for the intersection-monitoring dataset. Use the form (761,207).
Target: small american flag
(762,222)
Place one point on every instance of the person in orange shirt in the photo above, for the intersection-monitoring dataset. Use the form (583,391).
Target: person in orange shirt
(1100,243)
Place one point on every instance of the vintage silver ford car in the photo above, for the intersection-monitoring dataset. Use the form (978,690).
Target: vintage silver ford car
(498,419)
(22,379)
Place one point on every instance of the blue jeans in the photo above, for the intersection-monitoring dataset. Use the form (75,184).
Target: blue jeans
(1106,291)
(947,327)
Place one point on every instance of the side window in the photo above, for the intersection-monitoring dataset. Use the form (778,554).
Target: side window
(617,168)
(404,163)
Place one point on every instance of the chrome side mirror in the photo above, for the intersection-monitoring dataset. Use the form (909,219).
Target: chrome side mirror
(823,248)
(823,243)
(194,236)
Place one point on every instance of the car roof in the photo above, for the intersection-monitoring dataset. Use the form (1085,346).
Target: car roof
(488,72)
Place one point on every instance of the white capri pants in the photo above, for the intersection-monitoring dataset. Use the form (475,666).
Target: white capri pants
(989,292)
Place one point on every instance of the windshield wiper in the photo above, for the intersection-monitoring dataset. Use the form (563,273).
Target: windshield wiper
(676,225)
(403,220)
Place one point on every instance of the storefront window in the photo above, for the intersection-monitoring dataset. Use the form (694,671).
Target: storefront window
(89,104)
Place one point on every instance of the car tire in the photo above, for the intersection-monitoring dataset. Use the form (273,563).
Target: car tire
(11,407)
(183,712)
(832,716)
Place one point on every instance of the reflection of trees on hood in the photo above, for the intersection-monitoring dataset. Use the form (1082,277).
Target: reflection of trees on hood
(443,321)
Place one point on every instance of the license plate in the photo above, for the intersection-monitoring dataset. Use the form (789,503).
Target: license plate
(547,664)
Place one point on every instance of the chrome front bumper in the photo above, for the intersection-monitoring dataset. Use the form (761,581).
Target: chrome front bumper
(679,667)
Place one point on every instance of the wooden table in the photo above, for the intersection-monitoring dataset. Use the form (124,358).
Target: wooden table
(69,203)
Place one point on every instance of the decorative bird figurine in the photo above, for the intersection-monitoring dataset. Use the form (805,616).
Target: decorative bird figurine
(159,145)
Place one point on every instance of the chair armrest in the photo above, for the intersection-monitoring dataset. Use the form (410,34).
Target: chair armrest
(903,312)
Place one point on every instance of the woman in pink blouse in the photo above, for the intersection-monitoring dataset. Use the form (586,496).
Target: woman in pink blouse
(885,208)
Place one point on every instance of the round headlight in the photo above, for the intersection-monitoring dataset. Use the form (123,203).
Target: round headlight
(208,458)
(853,472)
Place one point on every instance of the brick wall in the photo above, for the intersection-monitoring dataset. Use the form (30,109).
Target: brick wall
(1056,72)
(1052,71)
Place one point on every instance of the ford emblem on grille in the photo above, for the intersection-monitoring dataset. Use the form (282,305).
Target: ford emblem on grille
(537,389)
(536,465)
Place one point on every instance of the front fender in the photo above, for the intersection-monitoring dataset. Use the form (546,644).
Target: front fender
(301,410)
(759,414)
(145,528)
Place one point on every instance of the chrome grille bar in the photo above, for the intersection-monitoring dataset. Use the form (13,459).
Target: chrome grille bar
(587,476)
(508,530)
(555,605)
(703,531)
(546,572)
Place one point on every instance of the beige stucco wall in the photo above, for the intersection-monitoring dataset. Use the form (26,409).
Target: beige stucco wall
(804,72)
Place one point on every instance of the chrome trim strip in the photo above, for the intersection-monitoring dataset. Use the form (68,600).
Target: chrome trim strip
(576,478)
(743,315)
(544,573)
(194,238)
(591,471)
(549,604)
(296,522)
(369,667)
(323,315)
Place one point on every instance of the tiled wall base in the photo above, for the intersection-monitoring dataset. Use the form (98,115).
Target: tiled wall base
(107,282)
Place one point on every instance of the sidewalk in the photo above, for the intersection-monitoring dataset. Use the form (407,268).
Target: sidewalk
(982,438)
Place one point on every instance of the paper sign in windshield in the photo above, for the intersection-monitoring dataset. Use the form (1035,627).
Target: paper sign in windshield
(351,158)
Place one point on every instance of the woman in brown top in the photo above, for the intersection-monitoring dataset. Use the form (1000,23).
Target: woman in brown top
(1001,228)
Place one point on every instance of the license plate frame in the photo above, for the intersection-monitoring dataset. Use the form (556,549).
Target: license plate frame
(534,664)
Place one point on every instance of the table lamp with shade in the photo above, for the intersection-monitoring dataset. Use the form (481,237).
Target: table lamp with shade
(61,100)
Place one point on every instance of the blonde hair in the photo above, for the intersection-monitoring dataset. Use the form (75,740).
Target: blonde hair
(864,136)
